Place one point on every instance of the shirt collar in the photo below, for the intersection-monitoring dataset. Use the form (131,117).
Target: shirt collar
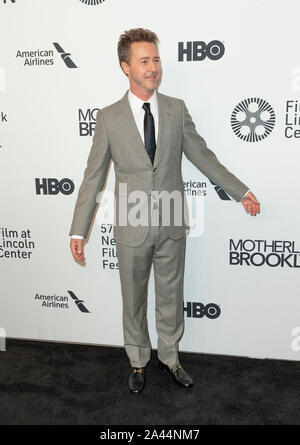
(136,103)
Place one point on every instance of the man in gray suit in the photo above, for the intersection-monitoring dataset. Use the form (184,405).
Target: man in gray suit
(145,134)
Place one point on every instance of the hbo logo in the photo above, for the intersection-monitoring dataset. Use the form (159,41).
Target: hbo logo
(51,186)
(195,51)
(198,310)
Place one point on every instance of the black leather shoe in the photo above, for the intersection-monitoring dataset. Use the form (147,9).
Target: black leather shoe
(136,380)
(178,373)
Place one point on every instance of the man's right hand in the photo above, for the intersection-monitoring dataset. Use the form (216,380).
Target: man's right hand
(77,249)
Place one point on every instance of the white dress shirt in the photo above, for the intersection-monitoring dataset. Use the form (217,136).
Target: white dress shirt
(136,105)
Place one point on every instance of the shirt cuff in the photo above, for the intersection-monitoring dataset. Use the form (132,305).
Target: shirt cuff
(245,194)
(77,236)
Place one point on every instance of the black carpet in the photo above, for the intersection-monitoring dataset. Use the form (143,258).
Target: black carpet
(45,383)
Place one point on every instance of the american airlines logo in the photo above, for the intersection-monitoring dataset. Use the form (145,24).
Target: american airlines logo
(79,303)
(59,301)
(220,192)
(44,57)
(65,56)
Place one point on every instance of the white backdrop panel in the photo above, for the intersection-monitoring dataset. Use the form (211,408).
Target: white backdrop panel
(40,138)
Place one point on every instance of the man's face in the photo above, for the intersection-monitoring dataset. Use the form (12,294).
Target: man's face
(144,67)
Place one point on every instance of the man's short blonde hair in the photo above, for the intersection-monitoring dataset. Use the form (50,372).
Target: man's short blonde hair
(131,36)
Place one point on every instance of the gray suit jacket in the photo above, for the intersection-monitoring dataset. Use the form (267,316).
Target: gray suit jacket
(116,137)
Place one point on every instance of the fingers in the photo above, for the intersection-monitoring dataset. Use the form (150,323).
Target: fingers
(255,206)
(76,246)
(251,207)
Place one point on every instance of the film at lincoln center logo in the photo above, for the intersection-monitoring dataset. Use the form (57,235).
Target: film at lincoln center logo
(92,2)
(253,119)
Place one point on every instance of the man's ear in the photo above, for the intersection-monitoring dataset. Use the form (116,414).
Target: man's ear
(125,68)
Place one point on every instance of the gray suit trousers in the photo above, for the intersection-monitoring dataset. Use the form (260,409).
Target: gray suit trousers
(168,259)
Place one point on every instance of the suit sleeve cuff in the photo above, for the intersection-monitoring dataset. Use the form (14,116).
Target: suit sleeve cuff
(245,194)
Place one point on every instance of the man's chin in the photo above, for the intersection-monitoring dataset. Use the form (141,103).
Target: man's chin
(152,87)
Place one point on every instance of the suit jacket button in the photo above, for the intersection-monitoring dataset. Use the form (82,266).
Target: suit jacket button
(154,170)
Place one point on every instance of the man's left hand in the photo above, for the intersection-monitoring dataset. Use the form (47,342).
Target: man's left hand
(250,203)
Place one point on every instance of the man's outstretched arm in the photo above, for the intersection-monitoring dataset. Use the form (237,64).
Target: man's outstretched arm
(92,183)
(196,150)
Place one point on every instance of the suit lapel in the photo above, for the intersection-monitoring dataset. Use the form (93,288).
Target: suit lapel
(129,129)
(164,125)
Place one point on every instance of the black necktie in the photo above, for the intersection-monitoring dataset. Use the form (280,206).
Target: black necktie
(149,132)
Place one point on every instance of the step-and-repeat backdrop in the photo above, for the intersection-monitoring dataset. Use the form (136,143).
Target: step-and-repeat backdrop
(236,64)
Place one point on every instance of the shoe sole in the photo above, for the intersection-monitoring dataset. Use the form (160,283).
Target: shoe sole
(136,392)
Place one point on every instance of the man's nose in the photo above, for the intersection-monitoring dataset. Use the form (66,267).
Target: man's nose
(152,66)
